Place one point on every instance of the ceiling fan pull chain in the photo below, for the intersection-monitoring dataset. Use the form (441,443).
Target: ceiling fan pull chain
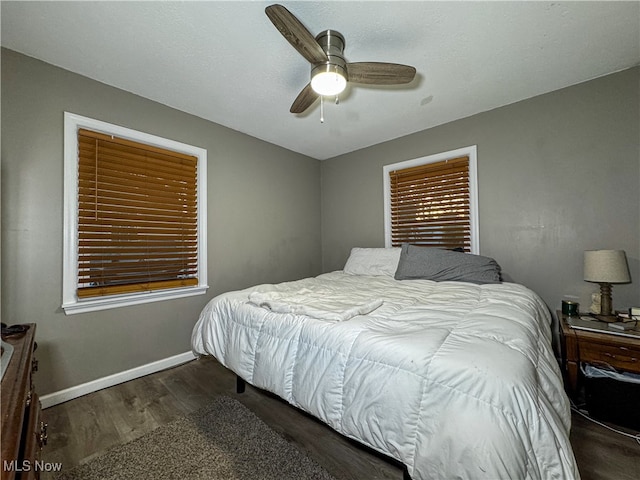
(337,100)
(321,109)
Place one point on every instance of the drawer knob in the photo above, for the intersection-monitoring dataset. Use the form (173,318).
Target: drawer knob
(43,437)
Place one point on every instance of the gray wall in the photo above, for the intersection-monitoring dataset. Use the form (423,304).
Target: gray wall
(558,174)
(263,219)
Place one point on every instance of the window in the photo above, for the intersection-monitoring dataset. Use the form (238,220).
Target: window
(135,225)
(432,201)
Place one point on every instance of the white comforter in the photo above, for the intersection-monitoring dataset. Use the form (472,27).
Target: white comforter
(455,380)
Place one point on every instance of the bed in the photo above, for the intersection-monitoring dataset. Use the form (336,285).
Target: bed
(454,377)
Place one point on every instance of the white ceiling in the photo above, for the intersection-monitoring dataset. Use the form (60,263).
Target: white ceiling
(226,62)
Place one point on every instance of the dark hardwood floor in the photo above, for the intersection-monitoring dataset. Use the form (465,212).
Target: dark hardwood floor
(88,426)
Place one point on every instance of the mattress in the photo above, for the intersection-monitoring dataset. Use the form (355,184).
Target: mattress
(453,379)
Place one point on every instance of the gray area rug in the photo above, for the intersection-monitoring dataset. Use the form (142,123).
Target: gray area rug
(223,441)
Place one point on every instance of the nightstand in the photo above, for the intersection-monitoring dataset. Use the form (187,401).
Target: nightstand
(593,342)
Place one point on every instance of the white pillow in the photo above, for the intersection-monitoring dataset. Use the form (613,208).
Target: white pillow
(373,261)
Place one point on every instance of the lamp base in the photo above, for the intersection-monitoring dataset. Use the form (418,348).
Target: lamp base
(605,299)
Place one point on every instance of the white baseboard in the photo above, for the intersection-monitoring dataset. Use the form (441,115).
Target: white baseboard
(67,394)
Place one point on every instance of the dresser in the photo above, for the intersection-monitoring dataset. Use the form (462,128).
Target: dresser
(23,431)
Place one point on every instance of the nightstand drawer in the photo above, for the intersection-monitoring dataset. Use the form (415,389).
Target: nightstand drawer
(617,356)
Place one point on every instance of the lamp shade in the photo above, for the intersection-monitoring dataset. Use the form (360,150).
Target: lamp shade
(606,266)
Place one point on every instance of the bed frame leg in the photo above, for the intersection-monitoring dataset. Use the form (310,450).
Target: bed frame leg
(405,473)
(240,385)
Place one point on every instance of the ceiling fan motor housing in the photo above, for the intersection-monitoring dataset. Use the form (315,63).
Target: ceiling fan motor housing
(332,43)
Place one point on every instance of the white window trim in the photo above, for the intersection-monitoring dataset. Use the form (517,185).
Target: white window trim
(471,152)
(71,304)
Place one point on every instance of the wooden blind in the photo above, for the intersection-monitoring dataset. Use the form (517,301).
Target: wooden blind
(430,205)
(137,217)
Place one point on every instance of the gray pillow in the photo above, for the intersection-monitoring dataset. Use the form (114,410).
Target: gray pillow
(437,264)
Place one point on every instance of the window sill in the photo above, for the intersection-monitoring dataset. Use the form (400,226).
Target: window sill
(115,301)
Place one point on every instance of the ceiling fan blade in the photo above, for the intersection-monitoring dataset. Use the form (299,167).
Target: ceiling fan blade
(378,73)
(304,100)
(296,33)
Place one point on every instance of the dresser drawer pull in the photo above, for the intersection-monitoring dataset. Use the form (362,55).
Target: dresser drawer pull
(625,359)
(43,434)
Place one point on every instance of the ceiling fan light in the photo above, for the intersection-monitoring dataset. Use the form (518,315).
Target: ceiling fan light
(328,82)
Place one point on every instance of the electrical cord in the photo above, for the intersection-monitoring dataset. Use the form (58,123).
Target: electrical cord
(635,437)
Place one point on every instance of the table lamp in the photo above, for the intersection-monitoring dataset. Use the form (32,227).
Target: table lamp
(606,267)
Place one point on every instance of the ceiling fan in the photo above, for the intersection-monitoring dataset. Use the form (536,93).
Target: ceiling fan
(329,70)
